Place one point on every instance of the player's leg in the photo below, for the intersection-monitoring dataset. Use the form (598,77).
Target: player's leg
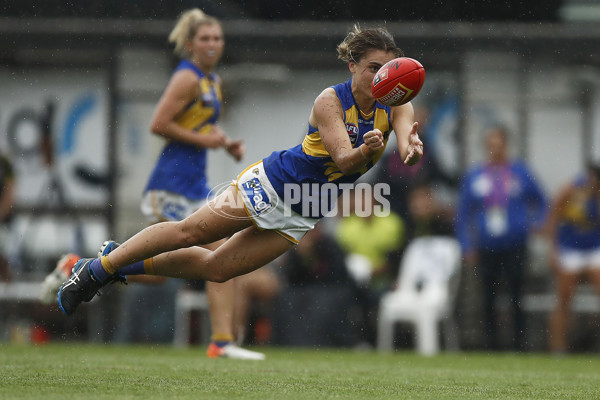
(261,285)
(207,225)
(156,206)
(514,275)
(566,282)
(221,307)
(221,301)
(244,252)
(214,221)
(490,267)
(221,304)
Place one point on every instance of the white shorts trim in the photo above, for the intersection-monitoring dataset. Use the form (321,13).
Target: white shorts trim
(266,209)
(160,206)
(579,260)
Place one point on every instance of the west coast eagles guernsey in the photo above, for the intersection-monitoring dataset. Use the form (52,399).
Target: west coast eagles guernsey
(310,166)
(181,167)
(580,220)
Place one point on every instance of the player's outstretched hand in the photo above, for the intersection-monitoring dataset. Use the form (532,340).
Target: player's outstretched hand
(415,146)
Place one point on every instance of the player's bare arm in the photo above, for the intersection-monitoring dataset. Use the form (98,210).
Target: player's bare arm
(181,90)
(410,145)
(327,116)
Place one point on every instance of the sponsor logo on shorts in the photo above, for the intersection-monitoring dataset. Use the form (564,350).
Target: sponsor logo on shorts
(256,194)
(251,196)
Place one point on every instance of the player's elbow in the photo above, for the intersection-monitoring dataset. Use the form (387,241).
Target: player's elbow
(347,166)
(218,274)
(343,162)
(347,169)
(219,277)
(158,127)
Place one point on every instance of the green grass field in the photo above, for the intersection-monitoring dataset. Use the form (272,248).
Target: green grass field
(161,372)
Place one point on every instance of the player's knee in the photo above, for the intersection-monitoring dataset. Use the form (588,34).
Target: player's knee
(192,237)
(217,272)
(219,276)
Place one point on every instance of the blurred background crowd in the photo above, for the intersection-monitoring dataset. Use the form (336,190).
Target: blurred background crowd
(509,111)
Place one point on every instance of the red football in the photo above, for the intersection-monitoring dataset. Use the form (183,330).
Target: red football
(398,81)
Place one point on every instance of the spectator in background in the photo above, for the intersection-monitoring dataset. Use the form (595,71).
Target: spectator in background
(318,259)
(379,240)
(315,307)
(375,237)
(7,201)
(574,237)
(255,293)
(426,217)
(499,204)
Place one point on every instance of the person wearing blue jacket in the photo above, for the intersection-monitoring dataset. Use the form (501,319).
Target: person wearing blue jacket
(499,204)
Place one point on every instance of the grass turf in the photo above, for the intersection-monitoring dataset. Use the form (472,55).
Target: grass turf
(61,371)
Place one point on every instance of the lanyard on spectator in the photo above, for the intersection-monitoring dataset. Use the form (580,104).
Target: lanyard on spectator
(500,186)
(496,202)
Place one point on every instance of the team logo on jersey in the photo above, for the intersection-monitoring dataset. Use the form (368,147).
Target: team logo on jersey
(257,196)
(352,132)
(255,171)
(208,101)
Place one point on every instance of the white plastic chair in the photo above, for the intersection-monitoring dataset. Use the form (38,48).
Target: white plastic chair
(428,282)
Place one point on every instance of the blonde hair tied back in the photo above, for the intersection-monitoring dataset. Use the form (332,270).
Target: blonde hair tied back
(186,27)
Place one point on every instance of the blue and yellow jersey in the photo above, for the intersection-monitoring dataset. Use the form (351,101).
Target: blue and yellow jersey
(309,163)
(580,219)
(181,167)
